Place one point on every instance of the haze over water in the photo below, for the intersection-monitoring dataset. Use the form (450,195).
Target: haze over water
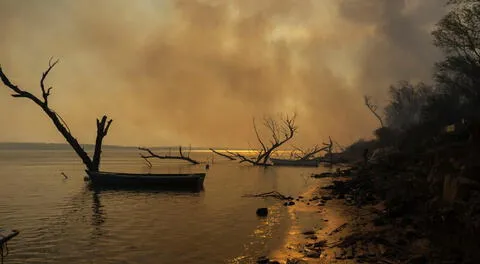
(62,220)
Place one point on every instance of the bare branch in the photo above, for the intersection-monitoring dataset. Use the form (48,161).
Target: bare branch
(221,154)
(149,164)
(280,132)
(258,136)
(154,155)
(373,108)
(46,93)
(60,124)
(308,155)
(273,194)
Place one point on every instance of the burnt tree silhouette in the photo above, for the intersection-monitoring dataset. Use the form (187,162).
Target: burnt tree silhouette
(222,154)
(373,108)
(92,164)
(300,154)
(182,156)
(280,132)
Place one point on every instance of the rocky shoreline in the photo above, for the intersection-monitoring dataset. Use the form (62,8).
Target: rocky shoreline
(320,222)
(346,220)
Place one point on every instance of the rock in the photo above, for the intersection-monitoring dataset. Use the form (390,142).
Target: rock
(326,197)
(323,175)
(312,254)
(273,262)
(300,197)
(320,244)
(263,260)
(262,211)
(296,261)
(291,203)
(341,196)
(309,232)
(312,237)
(308,203)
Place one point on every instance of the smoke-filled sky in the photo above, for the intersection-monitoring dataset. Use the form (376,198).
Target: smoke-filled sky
(197,71)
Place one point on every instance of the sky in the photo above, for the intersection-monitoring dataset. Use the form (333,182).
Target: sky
(197,72)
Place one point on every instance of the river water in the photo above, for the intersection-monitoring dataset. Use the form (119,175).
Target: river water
(62,220)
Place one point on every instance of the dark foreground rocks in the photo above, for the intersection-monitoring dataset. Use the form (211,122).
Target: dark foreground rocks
(419,207)
(262,212)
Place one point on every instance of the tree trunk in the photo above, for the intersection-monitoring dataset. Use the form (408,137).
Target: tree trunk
(102,126)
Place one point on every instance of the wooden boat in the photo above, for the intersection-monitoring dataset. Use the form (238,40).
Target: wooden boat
(163,180)
(291,162)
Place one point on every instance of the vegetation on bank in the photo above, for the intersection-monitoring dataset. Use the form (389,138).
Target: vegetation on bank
(424,162)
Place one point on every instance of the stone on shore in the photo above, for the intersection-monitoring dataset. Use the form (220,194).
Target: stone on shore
(262,212)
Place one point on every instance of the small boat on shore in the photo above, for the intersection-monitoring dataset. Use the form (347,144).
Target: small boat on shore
(161,180)
(291,162)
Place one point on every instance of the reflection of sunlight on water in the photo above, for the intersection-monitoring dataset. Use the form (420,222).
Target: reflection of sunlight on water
(264,231)
(65,221)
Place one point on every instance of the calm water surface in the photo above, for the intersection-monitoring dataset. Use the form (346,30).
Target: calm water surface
(63,220)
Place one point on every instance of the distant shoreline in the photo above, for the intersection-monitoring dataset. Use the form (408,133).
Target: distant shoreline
(88,147)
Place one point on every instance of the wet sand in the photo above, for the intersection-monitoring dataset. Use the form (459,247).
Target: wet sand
(314,221)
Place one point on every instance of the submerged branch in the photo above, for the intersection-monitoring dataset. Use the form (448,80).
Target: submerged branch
(154,155)
(221,154)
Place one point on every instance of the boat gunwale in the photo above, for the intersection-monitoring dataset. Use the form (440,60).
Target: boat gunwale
(146,175)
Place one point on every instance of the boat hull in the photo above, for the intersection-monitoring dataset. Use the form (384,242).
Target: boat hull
(287,162)
(161,181)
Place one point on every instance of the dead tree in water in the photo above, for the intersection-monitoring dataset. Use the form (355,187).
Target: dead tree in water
(221,154)
(280,132)
(307,154)
(92,164)
(373,108)
(182,156)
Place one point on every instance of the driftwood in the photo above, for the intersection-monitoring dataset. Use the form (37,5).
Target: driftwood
(182,156)
(272,194)
(228,156)
(103,124)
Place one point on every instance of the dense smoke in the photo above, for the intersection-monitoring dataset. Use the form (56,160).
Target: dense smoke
(180,72)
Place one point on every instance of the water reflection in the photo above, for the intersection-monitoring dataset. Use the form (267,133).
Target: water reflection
(98,216)
(66,221)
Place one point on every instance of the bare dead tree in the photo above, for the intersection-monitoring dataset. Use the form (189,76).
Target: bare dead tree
(373,108)
(182,155)
(281,131)
(308,153)
(328,147)
(228,156)
(102,125)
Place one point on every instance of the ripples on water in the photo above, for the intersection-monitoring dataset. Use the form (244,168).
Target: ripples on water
(62,220)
